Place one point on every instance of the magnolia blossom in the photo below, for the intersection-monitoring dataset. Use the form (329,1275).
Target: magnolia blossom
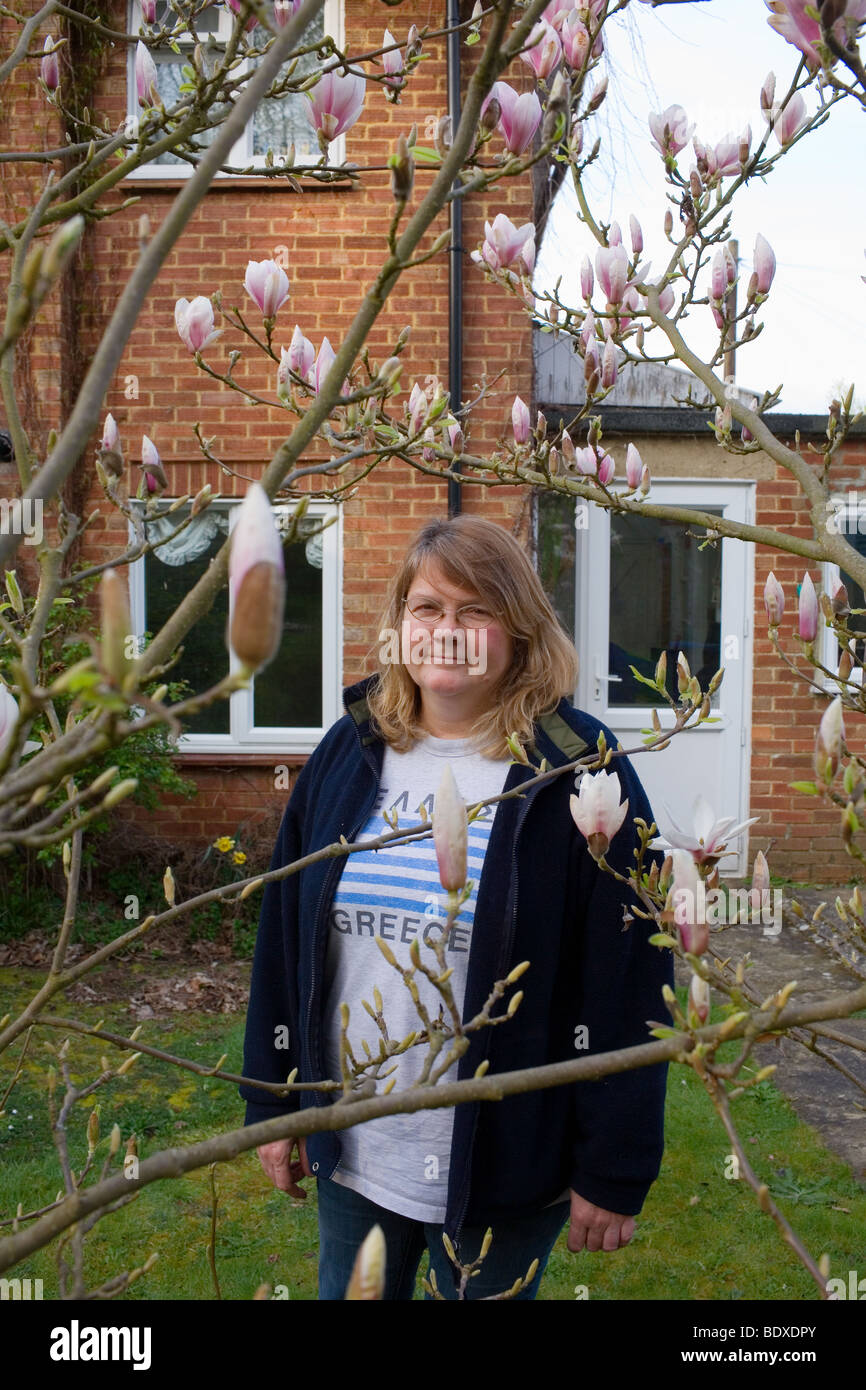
(597,811)
(796,21)
(807,610)
(828,742)
(633,467)
(256,582)
(504,244)
(367,1281)
(606,469)
(787,120)
(8,717)
(760,882)
(110,435)
(575,40)
(609,364)
(268,284)
(520,421)
(666,299)
(450,832)
(710,836)
(284,10)
(146,85)
(699,998)
(765,264)
(611,267)
(587,279)
(148,11)
(154,477)
(774,600)
(194,321)
(236,6)
(543,50)
(670,130)
(301,355)
(519,115)
(392,62)
(49,67)
(419,408)
(336,103)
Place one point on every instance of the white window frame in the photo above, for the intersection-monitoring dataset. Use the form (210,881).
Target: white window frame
(244,737)
(848,514)
(241,153)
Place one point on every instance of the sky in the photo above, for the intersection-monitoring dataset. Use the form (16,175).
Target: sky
(712,58)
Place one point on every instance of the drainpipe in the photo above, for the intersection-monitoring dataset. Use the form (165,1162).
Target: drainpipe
(455,260)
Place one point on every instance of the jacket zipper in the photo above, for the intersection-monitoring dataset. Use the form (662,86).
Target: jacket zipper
(333,873)
(503,960)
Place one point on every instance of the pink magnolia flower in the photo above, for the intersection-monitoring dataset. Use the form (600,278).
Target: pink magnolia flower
(828,741)
(235,6)
(49,67)
(284,10)
(519,115)
(419,408)
(606,469)
(587,332)
(194,321)
(336,103)
(110,435)
(587,280)
(636,233)
(322,365)
(670,130)
(609,364)
(788,120)
(145,76)
(575,40)
(268,284)
(709,838)
(301,354)
(450,832)
(556,12)
(726,156)
(611,267)
(774,600)
(153,472)
(520,421)
(765,264)
(795,21)
(760,882)
(543,50)
(666,299)
(633,467)
(699,998)
(392,63)
(148,11)
(504,243)
(597,811)
(807,610)
(256,582)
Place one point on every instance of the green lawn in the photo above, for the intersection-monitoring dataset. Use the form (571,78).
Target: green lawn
(701,1235)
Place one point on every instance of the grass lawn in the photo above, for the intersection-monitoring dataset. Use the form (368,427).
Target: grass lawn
(701,1234)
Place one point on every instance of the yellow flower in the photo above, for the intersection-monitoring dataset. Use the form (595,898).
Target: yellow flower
(239,857)
(223,844)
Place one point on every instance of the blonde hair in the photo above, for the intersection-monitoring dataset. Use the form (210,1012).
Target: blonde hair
(482,556)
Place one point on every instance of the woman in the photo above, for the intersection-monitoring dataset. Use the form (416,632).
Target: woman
(471,652)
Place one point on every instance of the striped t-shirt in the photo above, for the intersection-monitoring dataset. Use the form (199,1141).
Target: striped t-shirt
(401,1161)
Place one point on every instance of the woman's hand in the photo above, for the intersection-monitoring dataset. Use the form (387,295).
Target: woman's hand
(593,1228)
(284,1171)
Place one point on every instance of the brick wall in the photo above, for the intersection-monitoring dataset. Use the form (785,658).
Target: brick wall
(336,240)
(803,831)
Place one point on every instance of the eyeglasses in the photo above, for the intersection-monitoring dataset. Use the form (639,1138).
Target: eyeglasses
(429,612)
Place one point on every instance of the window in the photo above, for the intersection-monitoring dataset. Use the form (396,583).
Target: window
(276,125)
(293,701)
(849,520)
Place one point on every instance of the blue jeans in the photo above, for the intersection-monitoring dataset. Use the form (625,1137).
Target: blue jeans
(345,1217)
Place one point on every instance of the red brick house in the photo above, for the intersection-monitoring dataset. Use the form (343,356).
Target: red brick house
(331,239)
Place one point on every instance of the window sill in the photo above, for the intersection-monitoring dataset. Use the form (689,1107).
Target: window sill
(235,183)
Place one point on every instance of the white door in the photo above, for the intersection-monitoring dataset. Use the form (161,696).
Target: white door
(644,587)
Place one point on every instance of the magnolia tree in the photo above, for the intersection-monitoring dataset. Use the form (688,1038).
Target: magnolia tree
(367,414)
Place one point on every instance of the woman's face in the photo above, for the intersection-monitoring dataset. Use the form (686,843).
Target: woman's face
(448,660)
